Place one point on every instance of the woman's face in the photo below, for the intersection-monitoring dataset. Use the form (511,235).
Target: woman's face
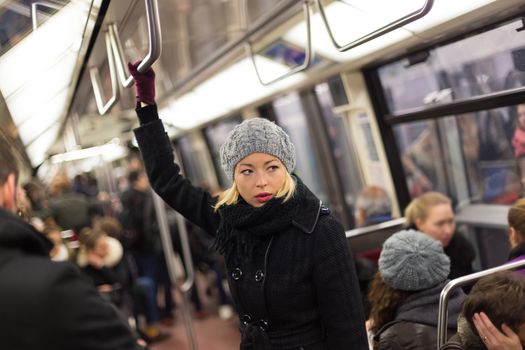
(101,247)
(439,223)
(259,176)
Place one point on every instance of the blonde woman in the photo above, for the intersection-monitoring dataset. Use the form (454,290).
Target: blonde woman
(290,271)
(432,214)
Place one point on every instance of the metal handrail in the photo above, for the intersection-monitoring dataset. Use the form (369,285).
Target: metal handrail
(41,3)
(460,282)
(125,79)
(155,44)
(374,228)
(95,81)
(378,32)
(308,51)
(169,255)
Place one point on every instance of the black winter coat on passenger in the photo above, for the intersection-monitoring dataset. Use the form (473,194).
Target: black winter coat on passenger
(296,287)
(415,325)
(461,254)
(47,305)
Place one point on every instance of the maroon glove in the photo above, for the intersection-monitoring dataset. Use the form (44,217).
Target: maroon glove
(144,84)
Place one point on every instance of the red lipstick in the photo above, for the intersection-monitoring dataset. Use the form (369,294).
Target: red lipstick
(263,197)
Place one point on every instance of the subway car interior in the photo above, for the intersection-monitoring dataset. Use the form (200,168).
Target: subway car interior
(408,96)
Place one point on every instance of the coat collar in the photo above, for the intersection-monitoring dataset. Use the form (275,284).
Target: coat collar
(311,208)
(19,235)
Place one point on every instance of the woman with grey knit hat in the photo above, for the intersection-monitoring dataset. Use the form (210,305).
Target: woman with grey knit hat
(404,294)
(290,271)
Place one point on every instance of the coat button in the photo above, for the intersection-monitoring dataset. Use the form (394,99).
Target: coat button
(259,275)
(264,325)
(237,274)
(246,319)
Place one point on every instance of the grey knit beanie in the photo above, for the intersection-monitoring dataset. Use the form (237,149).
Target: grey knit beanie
(411,260)
(257,135)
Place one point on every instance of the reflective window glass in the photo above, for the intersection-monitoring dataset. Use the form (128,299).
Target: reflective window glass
(189,161)
(291,117)
(16,19)
(459,70)
(342,150)
(215,136)
(477,157)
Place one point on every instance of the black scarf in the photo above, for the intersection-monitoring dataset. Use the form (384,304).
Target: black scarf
(244,227)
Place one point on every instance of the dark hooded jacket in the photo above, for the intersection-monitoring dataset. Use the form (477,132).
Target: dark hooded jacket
(290,271)
(415,325)
(49,305)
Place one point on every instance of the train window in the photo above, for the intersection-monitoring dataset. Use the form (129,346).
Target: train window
(459,70)
(16,21)
(337,91)
(192,169)
(215,135)
(342,150)
(477,156)
(291,117)
(422,156)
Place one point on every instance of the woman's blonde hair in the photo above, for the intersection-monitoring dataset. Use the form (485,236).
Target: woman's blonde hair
(231,195)
(516,217)
(420,206)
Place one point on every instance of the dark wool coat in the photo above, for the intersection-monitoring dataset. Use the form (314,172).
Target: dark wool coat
(415,324)
(47,305)
(299,288)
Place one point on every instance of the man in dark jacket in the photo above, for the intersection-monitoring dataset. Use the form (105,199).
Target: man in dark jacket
(46,305)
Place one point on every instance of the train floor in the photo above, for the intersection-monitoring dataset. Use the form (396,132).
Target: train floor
(211,332)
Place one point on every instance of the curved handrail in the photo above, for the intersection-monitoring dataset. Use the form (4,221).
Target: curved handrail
(460,282)
(125,79)
(95,81)
(378,32)
(308,52)
(155,44)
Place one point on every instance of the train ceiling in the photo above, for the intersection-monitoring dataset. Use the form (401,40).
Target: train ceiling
(47,48)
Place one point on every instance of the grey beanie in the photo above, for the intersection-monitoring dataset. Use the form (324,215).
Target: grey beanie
(257,135)
(411,260)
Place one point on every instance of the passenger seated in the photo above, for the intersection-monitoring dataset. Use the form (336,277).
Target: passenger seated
(432,214)
(493,315)
(516,219)
(60,251)
(134,295)
(404,294)
(373,206)
(98,256)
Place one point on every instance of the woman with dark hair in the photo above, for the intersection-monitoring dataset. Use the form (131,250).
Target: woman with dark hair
(493,315)
(516,219)
(404,294)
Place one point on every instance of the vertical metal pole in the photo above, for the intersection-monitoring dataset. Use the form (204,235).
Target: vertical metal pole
(167,246)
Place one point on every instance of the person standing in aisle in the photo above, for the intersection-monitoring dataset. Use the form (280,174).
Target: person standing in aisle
(290,271)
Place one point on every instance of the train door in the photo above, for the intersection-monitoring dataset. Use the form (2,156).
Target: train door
(363,131)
